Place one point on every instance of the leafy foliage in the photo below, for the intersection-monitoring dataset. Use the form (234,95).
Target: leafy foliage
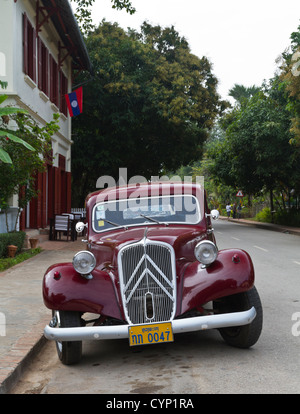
(4,134)
(251,149)
(290,77)
(148,108)
(83,12)
(241,92)
(6,263)
(14,238)
(18,177)
(255,153)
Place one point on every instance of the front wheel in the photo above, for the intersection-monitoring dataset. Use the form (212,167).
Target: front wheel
(247,335)
(69,352)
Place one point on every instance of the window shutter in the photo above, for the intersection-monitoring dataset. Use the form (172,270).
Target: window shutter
(51,78)
(46,72)
(43,67)
(25,44)
(34,63)
(40,67)
(54,81)
(63,92)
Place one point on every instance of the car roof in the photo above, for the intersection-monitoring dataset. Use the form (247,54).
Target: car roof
(146,190)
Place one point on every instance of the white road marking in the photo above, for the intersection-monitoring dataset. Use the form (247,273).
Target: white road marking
(260,248)
(235,238)
(298,263)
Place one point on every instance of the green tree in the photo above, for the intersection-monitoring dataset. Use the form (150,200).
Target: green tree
(18,177)
(290,77)
(241,92)
(149,107)
(5,133)
(83,12)
(255,153)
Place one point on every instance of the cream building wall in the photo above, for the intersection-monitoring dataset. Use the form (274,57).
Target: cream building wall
(22,91)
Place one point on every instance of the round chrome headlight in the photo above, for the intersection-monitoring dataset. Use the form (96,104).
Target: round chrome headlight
(84,262)
(206,252)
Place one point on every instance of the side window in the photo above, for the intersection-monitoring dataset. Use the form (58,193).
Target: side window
(29,48)
(54,81)
(63,91)
(43,67)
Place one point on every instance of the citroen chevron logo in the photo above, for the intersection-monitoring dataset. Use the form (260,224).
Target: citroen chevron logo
(148,273)
(148,281)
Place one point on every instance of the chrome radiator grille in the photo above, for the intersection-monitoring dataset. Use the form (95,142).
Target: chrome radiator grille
(148,281)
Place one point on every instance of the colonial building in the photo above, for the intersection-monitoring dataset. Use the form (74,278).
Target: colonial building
(41,48)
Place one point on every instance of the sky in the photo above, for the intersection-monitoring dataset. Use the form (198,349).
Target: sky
(241,38)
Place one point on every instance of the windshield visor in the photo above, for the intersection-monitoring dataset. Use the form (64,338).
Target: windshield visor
(182,209)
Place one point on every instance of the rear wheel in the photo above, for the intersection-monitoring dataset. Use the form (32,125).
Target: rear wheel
(69,352)
(247,335)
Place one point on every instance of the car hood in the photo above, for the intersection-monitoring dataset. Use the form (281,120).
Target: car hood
(182,238)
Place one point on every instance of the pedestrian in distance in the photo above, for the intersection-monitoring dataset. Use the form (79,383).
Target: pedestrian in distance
(234,210)
(239,211)
(228,210)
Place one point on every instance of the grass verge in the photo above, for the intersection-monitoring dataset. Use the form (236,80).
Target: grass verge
(6,263)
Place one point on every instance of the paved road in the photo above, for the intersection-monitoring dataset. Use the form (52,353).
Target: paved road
(198,362)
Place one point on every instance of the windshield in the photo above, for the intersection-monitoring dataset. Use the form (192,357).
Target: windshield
(140,211)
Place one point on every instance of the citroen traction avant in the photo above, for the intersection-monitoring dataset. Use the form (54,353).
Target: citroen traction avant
(151,270)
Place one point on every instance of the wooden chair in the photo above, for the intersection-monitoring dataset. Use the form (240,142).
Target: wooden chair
(62,224)
(77,216)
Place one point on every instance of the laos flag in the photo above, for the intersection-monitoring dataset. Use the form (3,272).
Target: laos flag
(74,102)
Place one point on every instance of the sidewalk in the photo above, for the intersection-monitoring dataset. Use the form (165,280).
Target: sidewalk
(22,308)
(266,226)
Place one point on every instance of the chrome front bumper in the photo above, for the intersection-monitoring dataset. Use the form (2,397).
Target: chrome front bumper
(198,323)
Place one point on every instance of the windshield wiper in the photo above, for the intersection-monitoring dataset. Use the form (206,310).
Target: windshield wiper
(114,224)
(150,219)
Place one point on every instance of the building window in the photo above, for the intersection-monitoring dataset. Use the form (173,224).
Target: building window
(63,92)
(29,48)
(62,162)
(43,67)
(54,97)
(36,57)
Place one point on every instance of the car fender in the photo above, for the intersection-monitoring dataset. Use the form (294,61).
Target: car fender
(231,273)
(66,289)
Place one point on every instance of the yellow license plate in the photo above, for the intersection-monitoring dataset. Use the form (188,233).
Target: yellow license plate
(153,333)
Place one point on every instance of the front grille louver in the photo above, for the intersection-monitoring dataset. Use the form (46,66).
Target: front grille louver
(148,281)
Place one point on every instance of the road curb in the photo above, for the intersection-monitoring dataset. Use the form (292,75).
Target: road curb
(265,226)
(15,362)
(25,333)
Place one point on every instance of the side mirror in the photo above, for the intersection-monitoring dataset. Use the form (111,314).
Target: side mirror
(215,214)
(80,226)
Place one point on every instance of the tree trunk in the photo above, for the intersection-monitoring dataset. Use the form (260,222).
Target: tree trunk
(6,220)
(17,219)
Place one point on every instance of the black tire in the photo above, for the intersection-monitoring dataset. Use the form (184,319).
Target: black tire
(70,352)
(247,335)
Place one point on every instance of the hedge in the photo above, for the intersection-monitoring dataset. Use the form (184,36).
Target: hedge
(15,238)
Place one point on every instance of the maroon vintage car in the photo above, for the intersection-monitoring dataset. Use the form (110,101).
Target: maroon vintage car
(151,270)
